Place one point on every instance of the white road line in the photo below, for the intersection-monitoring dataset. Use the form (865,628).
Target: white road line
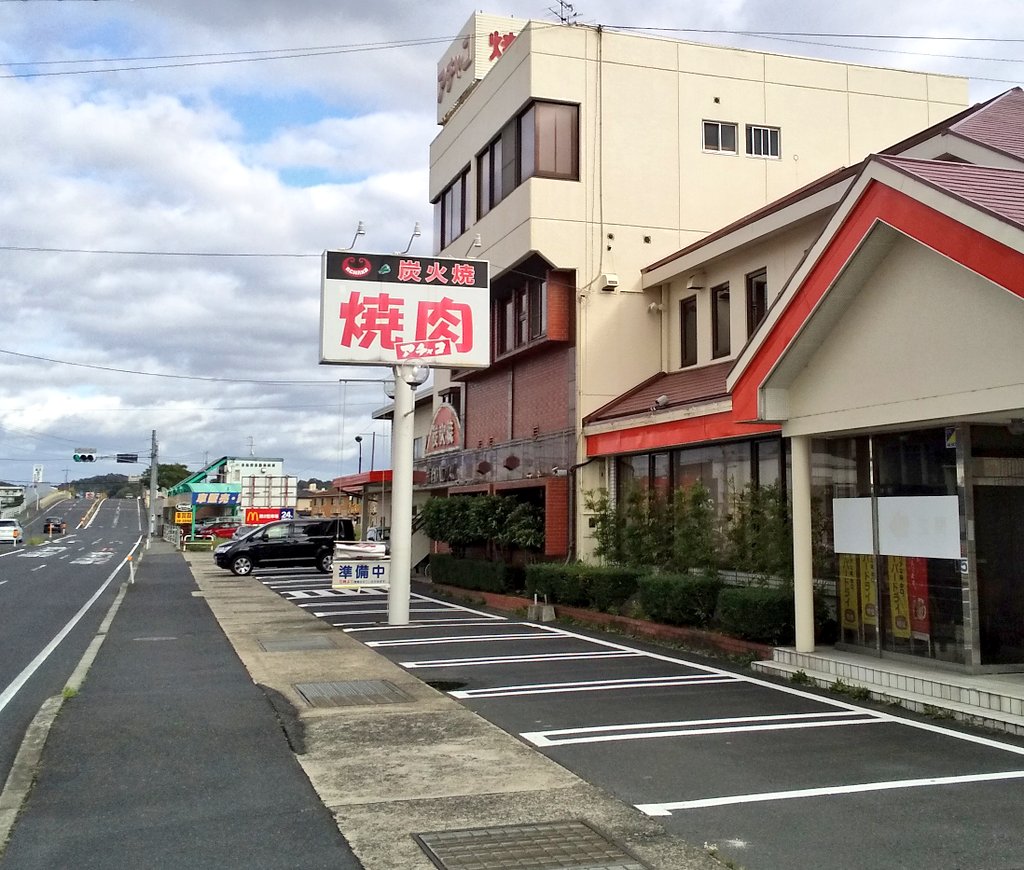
(818,699)
(2,582)
(432,623)
(373,610)
(509,660)
(37,568)
(666,809)
(466,638)
(15,686)
(451,606)
(612,733)
(591,686)
(359,601)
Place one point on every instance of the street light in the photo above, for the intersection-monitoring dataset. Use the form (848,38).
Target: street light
(359,441)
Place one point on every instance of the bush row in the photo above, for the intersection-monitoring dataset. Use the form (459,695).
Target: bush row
(756,613)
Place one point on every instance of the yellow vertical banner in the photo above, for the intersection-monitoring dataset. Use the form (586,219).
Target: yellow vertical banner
(849,612)
(868,594)
(899,596)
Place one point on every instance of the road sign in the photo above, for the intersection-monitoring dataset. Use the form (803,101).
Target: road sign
(127,457)
(37,474)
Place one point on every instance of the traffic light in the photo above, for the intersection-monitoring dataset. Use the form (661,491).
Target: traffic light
(82,456)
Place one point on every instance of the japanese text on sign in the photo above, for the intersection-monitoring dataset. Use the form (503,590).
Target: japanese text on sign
(386,309)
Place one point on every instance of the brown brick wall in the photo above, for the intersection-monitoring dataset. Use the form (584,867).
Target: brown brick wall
(556,517)
(487,403)
(544,394)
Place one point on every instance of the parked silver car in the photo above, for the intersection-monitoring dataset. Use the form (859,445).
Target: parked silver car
(11,532)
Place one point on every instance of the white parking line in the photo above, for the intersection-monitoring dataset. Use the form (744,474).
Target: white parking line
(432,623)
(373,610)
(698,727)
(666,809)
(591,686)
(529,659)
(466,638)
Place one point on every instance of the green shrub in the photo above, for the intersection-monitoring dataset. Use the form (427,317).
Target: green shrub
(576,585)
(479,574)
(679,599)
(756,613)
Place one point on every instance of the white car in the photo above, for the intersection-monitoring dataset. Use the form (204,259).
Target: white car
(11,533)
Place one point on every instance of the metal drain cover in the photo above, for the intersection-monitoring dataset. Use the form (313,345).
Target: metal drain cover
(290,644)
(355,693)
(547,846)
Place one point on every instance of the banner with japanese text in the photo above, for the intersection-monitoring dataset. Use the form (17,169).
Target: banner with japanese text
(917,583)
(899,597)
(848,581)
(378,309)
(868,591)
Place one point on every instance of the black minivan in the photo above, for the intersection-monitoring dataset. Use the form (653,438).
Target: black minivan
(286,544)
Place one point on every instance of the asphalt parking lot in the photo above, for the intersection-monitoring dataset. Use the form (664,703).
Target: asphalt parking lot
(771,774)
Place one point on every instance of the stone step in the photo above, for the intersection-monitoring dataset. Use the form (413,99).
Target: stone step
(994,718)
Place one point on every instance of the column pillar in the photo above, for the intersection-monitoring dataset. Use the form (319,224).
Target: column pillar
(803,565)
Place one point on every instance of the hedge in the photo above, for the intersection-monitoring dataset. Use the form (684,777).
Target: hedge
(599,587)
(679,599)
(481,574)
(757,613)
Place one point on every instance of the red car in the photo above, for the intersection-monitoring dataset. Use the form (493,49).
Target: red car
(218,530)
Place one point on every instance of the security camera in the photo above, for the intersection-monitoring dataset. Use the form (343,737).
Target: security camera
(660,402)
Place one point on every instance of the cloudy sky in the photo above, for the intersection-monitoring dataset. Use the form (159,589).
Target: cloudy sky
(141,141)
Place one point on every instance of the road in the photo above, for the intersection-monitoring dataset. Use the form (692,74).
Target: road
(53,595)
(773,775)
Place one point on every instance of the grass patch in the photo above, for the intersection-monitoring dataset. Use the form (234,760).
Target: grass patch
(68,693)
(800,678)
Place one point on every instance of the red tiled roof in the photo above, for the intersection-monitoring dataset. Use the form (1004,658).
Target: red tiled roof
(998,124)
(684,387)
(995,190)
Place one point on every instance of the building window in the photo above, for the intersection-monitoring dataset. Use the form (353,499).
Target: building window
(762,141)
(720,136)
(720,320)
(541,141)
(522,317)
(450,212)
(757,299)
(688,331)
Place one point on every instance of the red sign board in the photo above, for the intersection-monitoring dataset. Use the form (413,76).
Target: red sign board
(445,432)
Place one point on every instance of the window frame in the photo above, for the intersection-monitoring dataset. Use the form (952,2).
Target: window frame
(757,299)
(721,333)
(526,137)
(719,126)
(520,317)
(688,332)
(449,214)
(765,135)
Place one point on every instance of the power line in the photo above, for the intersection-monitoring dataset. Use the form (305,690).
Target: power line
(41,250)
(321,383)
(411,43)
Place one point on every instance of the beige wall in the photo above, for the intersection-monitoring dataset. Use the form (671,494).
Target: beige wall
(923,339)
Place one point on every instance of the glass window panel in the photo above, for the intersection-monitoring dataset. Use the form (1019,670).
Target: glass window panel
(528,138)
(688,331)
(720,320)
(728,137)
(509,166)
(483,174)
(757,299)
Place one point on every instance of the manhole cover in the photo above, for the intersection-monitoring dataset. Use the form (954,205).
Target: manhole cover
(355,693)
(547,846)
(290,644)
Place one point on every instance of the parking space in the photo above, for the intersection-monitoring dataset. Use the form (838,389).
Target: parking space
(709,751)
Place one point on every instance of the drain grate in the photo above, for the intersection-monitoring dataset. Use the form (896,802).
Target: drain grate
(570,845)
(356,693)
(291,644)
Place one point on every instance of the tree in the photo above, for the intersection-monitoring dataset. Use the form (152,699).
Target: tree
(167,475)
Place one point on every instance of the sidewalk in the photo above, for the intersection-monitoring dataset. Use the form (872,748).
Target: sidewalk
(170,756)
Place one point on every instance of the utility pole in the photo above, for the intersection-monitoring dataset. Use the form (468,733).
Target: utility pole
(153,457)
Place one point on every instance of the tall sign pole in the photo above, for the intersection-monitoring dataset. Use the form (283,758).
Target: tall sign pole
(153,457)
(401,498)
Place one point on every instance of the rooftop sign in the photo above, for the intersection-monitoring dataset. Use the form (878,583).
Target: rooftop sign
(468,59)
(378,309)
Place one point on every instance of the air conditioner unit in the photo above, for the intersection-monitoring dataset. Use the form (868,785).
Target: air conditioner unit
(609,281)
